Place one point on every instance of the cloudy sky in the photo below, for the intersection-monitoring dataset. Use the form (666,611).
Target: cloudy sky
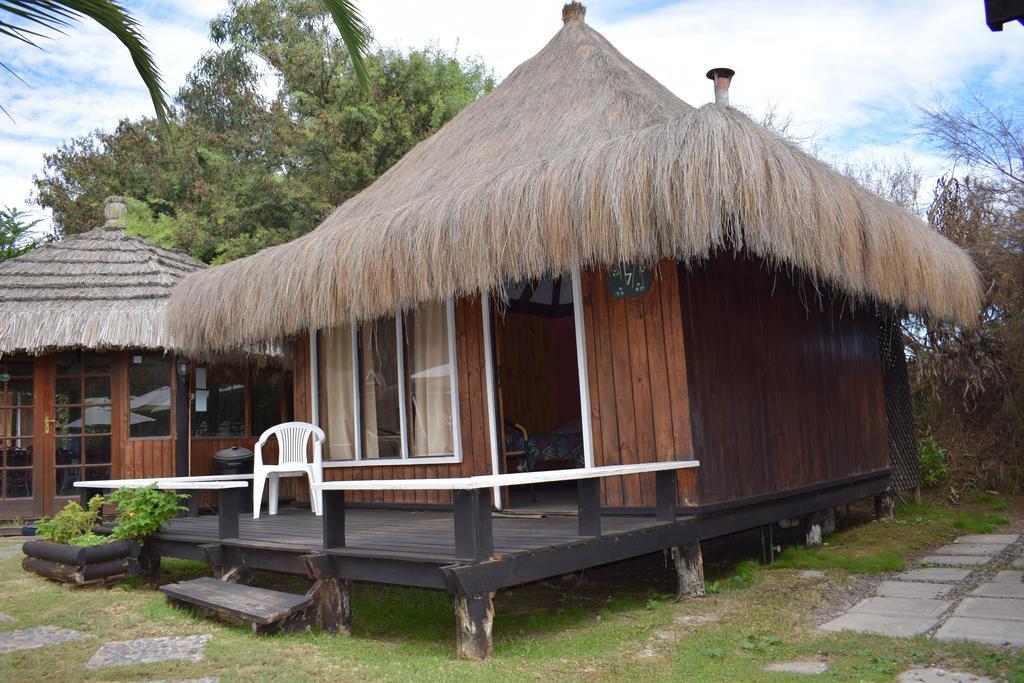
(849,73)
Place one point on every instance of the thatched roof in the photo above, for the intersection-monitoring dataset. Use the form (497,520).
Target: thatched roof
(98,289)
(578,158)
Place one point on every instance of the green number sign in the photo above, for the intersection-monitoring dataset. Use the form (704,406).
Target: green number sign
(627,281)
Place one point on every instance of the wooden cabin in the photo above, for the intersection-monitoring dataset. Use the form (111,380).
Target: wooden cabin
(578,271)
(90,388)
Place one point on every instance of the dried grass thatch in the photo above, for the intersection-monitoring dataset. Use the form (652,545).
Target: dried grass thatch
(578,158)
(100,289)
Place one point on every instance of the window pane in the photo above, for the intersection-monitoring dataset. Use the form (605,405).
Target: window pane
(19,455)
(382,434)
(150,388)
(429,381)
(97,450)
(97,420)
(69,421)
(266,400)
(337,389)
(69,451)
(69,363)
(69,391)
(65,480)
(18,484)
(97,473)
(219,410)
(97,363)
(19,393)
(21,367)
(97,390)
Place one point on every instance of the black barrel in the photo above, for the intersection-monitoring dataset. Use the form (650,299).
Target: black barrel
(235,460)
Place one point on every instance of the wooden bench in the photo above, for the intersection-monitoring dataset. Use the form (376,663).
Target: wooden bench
(268,611)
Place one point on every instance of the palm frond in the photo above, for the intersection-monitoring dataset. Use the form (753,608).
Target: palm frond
(354,33)
(55,15)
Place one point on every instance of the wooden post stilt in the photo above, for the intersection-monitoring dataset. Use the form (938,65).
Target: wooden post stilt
(474,618)
(333,600)
(689,564)
(812,530)
(149,565)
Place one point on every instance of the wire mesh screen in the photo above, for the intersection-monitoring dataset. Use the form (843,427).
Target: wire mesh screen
(899,413)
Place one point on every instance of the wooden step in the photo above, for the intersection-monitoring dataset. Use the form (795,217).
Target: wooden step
(259,606)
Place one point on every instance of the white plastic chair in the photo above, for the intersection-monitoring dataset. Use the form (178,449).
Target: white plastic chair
(292,440)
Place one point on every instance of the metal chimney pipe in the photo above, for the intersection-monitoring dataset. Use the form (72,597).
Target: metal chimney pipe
(722,77)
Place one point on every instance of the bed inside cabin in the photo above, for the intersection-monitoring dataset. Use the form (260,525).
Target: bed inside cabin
(539,391)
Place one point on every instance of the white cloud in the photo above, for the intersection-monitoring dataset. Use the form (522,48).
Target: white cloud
(851,71)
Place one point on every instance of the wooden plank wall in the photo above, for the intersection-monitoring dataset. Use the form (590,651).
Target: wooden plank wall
(473,406)
(786,391)
(639,401)
(538,377)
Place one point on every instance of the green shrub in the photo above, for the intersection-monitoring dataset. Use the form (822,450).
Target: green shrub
(142,512)
(933,461)
(89,540)
(72,522)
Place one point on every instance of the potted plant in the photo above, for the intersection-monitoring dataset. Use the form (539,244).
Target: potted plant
(73,551)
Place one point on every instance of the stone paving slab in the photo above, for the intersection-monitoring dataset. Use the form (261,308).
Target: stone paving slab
(1019,564)
(1004,539)
(956,560)
(902,607)
(1001,589)
(9,553)
(37,636)
(991,608)
(913,589)
(810,667)
(5,619)
(934,575)
(189,680)
(149,650)
(936,675)
(882,624)
(988,631)
(982,549)
(1007,576)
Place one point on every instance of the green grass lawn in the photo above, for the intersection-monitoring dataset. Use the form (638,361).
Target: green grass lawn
(616,623)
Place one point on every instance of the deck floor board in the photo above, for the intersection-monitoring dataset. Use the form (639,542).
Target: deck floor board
(419,532)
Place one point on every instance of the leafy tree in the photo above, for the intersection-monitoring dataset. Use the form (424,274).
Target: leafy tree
(969,383)
(17,233)
(245,167)
(23,19)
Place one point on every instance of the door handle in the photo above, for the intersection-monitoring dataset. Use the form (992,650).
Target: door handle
(46,424)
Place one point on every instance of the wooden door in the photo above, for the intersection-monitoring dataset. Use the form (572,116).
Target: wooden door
(82,429)
(21,463)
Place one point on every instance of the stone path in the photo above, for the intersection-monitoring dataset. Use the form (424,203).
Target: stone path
(4,618)
(934,675)
(149,650)
(37,636)
(958,595)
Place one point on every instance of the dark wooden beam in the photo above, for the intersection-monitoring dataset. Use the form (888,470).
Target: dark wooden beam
(227,517)
(588,500)
(334,519)
(665,489)
(181,435)
(474,536)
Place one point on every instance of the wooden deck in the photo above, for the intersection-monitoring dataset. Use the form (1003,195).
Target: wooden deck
(416,534)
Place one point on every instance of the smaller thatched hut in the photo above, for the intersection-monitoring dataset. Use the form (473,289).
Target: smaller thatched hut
(88,385)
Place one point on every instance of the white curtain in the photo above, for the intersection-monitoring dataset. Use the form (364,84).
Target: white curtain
(429,381)
(336,373)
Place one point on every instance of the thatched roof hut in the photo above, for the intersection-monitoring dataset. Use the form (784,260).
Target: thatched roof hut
(578,158)
(96,290)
